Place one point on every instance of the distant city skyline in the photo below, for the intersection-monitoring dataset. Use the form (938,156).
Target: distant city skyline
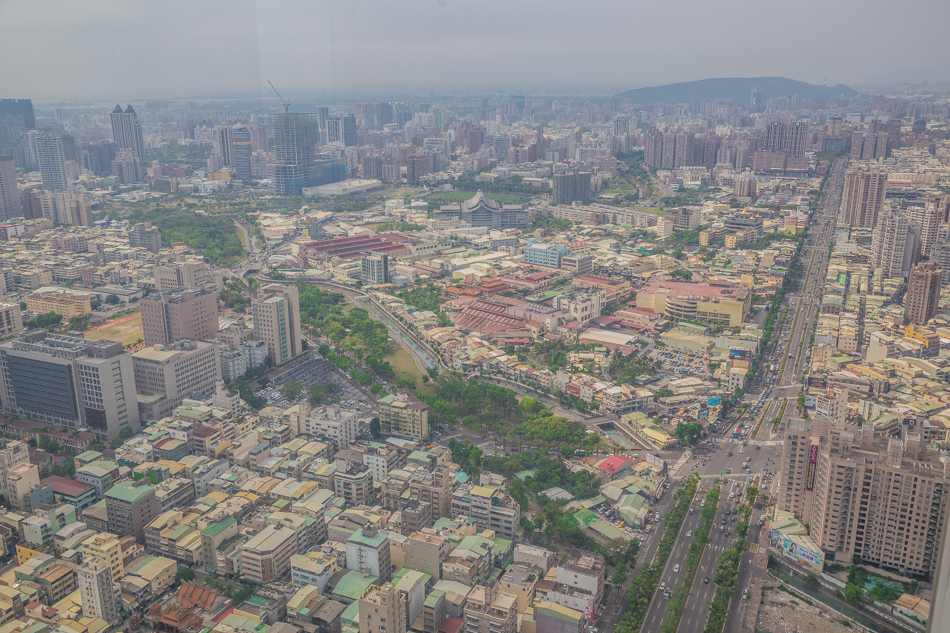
(122,52)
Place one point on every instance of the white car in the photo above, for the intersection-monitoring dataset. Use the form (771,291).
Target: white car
(676,569)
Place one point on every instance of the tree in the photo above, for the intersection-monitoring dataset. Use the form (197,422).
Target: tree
(374,428)
(688,433)
(95,304)
(263,382)
(291,390)
(853,593)
(242,595)
(662,393)
(23,305)
(112,299)
(185,574)
(80,323)
(751,493)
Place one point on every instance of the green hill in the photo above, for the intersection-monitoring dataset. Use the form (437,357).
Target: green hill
(739,89)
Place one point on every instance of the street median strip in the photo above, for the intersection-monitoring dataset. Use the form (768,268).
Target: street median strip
(677,604)
(644,584)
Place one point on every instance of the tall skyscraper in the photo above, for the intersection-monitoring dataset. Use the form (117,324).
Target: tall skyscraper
(222,144)
(571,187)
(894,244)
(98,591)
(9,194)
(127,132)
(350,138)
(70,382)
(295,148)
(276,314)
(862,199)
(22,108)
(50,159)
(621,126)
(923,293)
(241,151)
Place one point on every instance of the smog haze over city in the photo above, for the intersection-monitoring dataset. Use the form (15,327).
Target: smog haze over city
(94,50)
(474,316)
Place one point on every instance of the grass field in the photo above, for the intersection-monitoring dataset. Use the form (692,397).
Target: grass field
(405,367)
(126,330)
(459,196)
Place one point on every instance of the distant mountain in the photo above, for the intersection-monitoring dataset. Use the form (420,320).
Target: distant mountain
(738,89)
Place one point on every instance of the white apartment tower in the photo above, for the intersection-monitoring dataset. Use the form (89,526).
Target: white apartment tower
(99,593)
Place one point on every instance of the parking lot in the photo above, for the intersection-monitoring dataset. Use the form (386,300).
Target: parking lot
(681,362)
(314,371)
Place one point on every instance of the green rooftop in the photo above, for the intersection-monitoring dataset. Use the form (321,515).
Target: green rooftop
(354,584)
(129,492)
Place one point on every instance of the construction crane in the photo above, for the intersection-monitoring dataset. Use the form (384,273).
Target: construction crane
(284,103)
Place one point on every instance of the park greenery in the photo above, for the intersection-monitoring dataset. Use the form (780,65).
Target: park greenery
(550,223)
(323,393)
(625,369)
(361,342)
(485,407)
(212,236)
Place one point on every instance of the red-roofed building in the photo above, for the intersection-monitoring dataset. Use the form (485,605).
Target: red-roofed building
(75,493)
(616,464)
(356,246)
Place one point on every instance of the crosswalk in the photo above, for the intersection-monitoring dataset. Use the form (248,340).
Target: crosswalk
(713,476)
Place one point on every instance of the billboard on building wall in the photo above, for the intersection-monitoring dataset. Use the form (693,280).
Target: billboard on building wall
(812,467)
(713,401)
(795,552)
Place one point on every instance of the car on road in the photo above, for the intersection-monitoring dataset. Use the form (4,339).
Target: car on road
(689,534)
(676,569)
(706,580)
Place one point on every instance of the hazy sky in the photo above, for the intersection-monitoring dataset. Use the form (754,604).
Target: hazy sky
(127,50)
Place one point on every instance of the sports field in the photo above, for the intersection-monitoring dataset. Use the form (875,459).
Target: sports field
(127,330)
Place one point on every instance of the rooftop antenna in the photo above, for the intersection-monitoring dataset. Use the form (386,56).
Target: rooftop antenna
(284,103)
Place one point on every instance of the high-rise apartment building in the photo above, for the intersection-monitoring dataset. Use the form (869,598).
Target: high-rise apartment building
(927,219)
(98,591)
(66,208)
(425,551)
(241,150)
(276,313)
(130,506)
(383,610)
(183,313)
(166,375)
(787,136)
(571,187)
(881,500)
(940,253)
(70,382)
(923,293)
(168,277)
(144,235)
(374,269)
(127,132)
(50,159)
(403,415)
(862,199)
(434,488)
(9,194)
(894,244)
